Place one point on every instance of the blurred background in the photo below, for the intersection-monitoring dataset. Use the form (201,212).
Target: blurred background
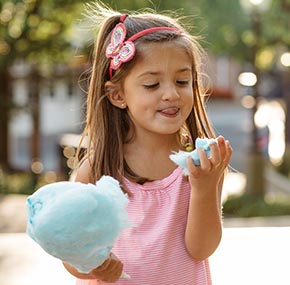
(45,59)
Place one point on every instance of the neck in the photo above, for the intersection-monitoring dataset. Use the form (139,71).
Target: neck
(149,156)
(156,143)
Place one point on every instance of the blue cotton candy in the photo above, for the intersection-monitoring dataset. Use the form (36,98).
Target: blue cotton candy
(180,157)
(78,223)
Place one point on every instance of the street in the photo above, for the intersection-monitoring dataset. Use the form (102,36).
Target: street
(246,256)
(232,121)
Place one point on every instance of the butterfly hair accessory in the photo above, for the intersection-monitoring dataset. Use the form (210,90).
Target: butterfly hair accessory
(120,50)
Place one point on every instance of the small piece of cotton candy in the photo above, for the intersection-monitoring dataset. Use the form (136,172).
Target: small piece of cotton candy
(180,157)
(78,223)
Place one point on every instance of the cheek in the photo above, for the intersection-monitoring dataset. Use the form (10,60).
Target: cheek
(187,111)
(138,107)
(144,103)
(188,98)
(188,101)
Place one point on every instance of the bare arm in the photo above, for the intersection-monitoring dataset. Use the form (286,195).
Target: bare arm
(111,269)
(204,226)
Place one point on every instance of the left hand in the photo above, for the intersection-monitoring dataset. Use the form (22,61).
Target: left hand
(207,176)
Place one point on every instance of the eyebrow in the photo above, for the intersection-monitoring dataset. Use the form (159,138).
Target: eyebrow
(157,72)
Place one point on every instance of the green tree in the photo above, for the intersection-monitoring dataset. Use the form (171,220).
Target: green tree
(228,29)
(158,5)
(37,32)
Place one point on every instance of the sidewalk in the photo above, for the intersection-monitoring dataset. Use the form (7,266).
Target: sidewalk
(253,251)
(252,256)
(246,256)
(22,261)
(12,213)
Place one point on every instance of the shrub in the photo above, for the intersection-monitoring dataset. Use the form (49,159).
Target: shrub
(24,182)
(16,183)
(247,205)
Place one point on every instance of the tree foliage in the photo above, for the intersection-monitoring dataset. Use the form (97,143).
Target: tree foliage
(42,30)
(229,29)
(36,30)
(226,28)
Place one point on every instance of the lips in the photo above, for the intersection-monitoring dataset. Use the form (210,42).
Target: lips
(169,112)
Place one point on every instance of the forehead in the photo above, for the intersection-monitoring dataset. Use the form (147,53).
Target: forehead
(163,55)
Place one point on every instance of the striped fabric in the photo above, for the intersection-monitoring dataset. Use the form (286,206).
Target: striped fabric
(153,250)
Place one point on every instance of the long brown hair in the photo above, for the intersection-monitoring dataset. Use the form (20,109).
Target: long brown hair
(107,127)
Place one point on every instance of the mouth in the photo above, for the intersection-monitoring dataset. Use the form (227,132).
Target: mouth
(169,112)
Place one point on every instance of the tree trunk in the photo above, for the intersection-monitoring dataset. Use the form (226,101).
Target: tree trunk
(34,102)
(5,100)
(286,96)
(255,172)
(34,107)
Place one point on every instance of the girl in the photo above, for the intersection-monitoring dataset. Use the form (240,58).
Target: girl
(144,102)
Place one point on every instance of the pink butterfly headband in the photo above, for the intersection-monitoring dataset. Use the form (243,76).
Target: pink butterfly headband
(121,51)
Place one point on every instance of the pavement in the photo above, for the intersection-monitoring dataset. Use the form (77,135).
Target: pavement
(253,251)
(22,261)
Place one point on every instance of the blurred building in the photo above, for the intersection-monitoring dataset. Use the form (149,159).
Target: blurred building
(60,111)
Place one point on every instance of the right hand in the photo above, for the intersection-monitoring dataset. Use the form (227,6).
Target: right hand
(110,271)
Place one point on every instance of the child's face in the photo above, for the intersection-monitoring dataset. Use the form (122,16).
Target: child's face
(158,89)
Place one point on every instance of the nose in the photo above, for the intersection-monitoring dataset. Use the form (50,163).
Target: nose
(170,93)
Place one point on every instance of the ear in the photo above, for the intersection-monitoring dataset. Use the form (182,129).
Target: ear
(115,94)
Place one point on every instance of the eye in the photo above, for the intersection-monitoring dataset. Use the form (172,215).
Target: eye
(151,86)
(182,82)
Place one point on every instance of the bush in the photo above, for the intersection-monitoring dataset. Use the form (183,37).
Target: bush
(23,182)
(247,205)
(284,167)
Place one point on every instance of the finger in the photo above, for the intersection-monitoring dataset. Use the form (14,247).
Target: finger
(205,163)
(115,264)
(229,152)
(215,157)
(109,264)
(110,271)
(105,265)
(222,146)
(192,168)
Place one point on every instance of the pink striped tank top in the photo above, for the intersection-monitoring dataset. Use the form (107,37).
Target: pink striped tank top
(153,250)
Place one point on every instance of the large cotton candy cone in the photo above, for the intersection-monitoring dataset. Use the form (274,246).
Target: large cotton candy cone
(78,223)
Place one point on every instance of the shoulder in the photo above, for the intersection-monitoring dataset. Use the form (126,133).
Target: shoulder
(83,173)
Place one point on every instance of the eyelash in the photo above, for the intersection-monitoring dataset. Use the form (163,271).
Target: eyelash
(151,86)
(182,82)
(157,84)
